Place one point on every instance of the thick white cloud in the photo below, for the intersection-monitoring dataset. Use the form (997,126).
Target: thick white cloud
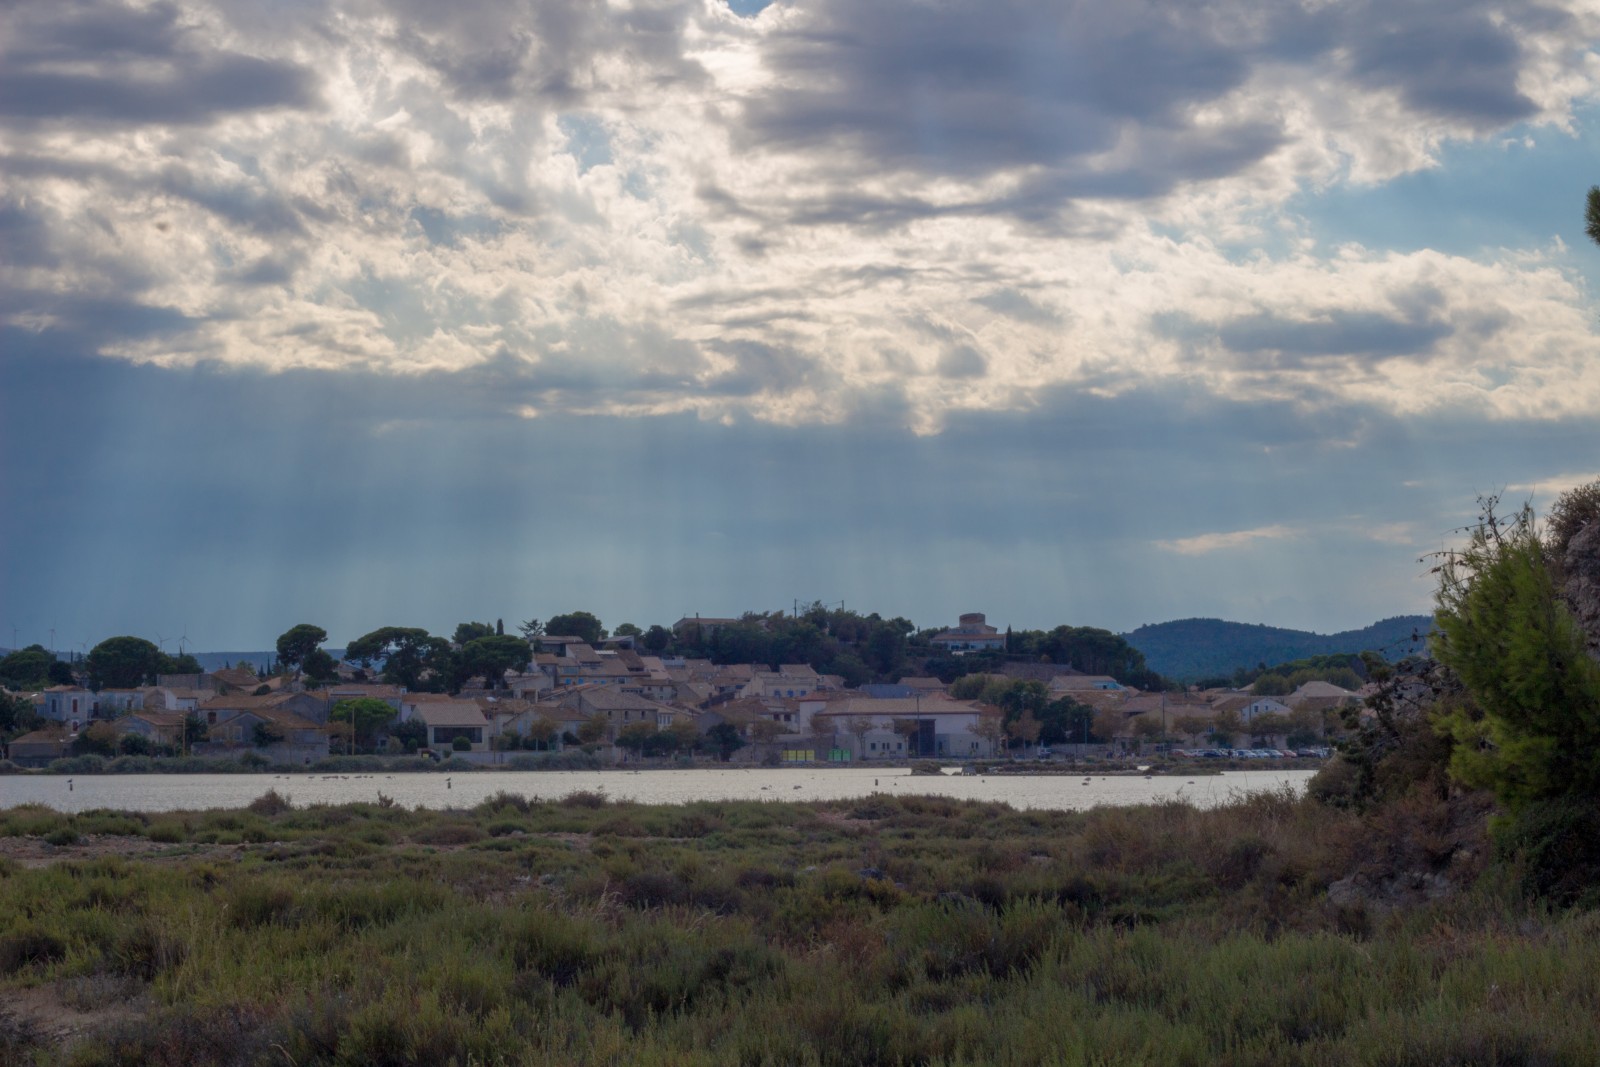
(830,211)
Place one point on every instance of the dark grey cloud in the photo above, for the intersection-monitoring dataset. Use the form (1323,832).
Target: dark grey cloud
(101,61)
(966,90)
(486,50)
(1365,335)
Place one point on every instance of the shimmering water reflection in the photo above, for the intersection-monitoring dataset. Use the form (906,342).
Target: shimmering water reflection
(177,792)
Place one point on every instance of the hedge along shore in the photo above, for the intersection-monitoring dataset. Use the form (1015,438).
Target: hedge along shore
(890,930)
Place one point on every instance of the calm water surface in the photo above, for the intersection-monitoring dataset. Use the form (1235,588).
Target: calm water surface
(178,792)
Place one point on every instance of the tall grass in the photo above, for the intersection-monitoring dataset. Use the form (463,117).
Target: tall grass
(897,931)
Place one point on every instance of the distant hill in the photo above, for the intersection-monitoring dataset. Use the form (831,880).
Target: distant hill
(213,660)
(1196,648)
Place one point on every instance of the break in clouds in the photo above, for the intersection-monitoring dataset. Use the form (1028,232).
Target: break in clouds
(823,210)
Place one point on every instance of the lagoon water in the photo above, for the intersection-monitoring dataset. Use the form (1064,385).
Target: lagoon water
(177,792)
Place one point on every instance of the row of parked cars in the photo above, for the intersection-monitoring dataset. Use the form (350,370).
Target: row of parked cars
(1254,753)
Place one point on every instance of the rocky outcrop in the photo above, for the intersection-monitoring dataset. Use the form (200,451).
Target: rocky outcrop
(1580,581)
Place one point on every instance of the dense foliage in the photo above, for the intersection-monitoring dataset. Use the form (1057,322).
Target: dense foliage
(1531,730)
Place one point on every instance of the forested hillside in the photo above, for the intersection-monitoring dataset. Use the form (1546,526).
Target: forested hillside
(1186,649)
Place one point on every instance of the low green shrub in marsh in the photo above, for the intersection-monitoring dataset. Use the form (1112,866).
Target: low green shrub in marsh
(27,945)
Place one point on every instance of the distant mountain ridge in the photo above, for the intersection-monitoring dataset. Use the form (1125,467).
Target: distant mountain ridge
(214,660)
(1187,649)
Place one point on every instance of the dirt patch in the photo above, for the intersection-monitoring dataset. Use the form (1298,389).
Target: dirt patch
(51,1016)
(37,852)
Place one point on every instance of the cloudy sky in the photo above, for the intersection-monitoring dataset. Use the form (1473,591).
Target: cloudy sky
(367,312)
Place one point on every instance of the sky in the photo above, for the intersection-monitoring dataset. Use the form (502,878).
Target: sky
(393,312)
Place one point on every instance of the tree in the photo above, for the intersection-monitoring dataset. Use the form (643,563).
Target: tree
(1146,728)
(1531,730)
(1107,724)
(634,736)
(683,734)
(122,663)
(365,714)
(491,656)
(318,667)
(98,739)
(765,731)
(298,642)
(657,638)
(542,730)
(1225,727)
(471,631)
(1268,724)
(17,716)
(907,730)
(1271,685)
(593,729)
(860,726)
(1024,728)
(181,664)
(27,668)
(579,624)
(60,674)
(885,648)
(266,733)
(627,629)
(848,665)
(991,728)
(1591,214)
(411,734)
(824,730)
(1191,726)
(407,653)
(531,630)
(724,740)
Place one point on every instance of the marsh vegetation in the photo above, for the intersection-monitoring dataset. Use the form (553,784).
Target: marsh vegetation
(891,930)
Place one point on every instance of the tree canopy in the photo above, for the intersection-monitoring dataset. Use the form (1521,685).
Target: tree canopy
(298,642)
(1531,730)
(491,656)
(364,714)
(123,663)
(411,657)
(579,624)
(27,668)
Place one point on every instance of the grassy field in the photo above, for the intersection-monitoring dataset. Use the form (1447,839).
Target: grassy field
(882,931)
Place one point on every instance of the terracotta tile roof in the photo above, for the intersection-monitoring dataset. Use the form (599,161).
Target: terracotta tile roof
(451,713)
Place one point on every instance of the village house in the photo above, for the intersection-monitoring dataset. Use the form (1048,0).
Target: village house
(971,634)
(274,733)
(933,727)
(446,719)
(39,748)
(156,727)
(70,705)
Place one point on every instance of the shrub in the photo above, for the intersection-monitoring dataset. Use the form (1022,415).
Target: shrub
(450,833)
(461,744)
(29,945)
(502,801)
(167,831)
(1555,847)
(270,803)
(583,798)
(62,836)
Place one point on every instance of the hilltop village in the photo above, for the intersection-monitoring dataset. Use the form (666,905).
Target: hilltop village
(968,692)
